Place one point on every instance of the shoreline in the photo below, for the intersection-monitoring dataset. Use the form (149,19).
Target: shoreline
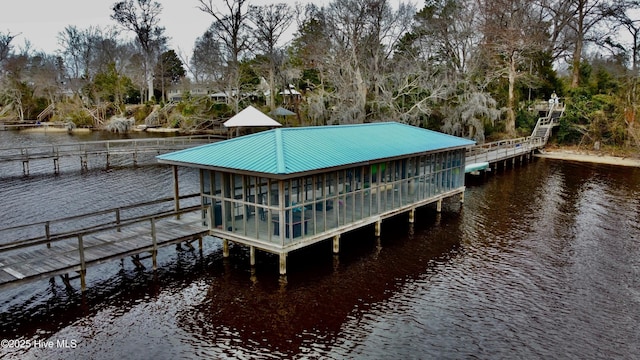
(595,158)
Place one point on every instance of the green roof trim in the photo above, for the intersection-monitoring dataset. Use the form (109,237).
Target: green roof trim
(285,151)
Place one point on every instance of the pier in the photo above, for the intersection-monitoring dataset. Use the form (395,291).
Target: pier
(104,149)
(39,251)
(499,153)
(276,191)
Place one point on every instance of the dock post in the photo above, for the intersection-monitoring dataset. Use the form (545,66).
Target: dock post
(56,166)
(25,167)
(252,256)
(462,197)
(47,231)
(225,248)
(412,216)
(176,191)
(378,228)
(283,263)
(439,205)
(336,244)
(154,239)
(83,267)
(84,162)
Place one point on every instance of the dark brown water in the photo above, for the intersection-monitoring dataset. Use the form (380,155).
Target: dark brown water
(541,262)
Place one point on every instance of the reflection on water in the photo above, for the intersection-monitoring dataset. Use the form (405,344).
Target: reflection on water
(540,262)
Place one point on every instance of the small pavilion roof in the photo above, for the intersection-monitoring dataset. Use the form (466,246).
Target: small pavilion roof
(287,151)
(251,116)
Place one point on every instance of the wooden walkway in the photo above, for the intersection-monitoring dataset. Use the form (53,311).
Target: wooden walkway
(501,151)
(72,252)
(105,149)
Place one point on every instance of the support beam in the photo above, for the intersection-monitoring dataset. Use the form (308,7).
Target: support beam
(439,205)
(283,263)
(336,244)
(378,228)
(83,266)
(252,255)
(84,162)
(154,259)
(176,191)
(412,216)
(462,197)
(154,242)
(225,248)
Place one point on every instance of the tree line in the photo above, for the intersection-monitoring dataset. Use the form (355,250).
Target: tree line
(472,68)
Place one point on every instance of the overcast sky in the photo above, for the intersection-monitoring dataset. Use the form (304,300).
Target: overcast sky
(40,21)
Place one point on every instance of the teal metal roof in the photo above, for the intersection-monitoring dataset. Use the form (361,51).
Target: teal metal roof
(286,151)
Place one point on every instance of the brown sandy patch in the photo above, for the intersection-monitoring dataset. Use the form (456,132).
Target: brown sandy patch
(592,157)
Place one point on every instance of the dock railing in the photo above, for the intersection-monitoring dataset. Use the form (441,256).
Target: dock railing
(99,147)
(146,241)
(502,149)
(99,220)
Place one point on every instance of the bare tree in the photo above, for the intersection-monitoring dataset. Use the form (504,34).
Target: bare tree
(142,17)
(207,63)
(512,35)
(5,45)
(363,34)
(87,52)
(577,23)
(270,21)
(231,29)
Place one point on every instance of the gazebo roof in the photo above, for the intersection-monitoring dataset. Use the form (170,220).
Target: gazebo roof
(251,117)
(288,151)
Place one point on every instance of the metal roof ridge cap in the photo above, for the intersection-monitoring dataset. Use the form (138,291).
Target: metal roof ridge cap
(280,166)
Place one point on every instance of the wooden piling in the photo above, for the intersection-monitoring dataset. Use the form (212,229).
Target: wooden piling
(176,191)
(336,244)
(225,248)
(83,266)
(283,263)
(154,240)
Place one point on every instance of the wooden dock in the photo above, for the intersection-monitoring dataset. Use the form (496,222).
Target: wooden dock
(68,253)
(502,151)
(104,149)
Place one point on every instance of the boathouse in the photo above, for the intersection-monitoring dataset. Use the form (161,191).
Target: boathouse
(287,188)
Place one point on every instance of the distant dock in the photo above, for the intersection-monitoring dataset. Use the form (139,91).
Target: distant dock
(102,149)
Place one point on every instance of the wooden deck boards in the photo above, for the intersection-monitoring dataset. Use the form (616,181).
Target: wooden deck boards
(39,262)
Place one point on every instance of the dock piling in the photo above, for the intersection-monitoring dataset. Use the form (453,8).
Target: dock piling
(283,263)
(154,239)
(83,266)
(225,248)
